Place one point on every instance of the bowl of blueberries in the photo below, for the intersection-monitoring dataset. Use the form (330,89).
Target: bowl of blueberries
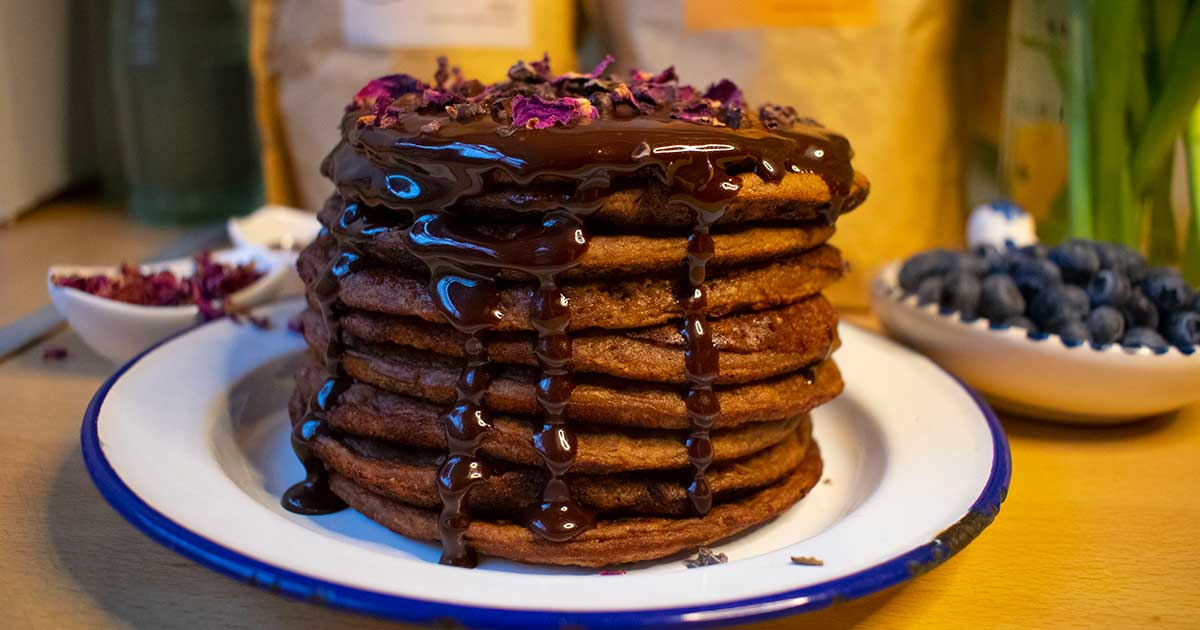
(1083,331)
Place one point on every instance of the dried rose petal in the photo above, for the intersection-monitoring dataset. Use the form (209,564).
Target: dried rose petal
(442,74)
(726,92)
(705,558)
(542,68)
(666,76)
(601,67)
(777,116)
(210,281)
(537,113)
(702,111)
(390,86)
(596,72)
(534,97)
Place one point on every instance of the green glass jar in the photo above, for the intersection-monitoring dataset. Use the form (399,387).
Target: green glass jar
(184,101)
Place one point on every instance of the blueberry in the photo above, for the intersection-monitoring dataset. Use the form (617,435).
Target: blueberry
(962,294)
(1035,275)
(1183,329)
(993,259)
(1072,331)
(935,262)
(1078,260)
(1036,250)
(1108,288)
(974,265)
(1106,325)
(1000,299)
(1122,260)
(930,290)
(1139,311)
(1167,289)
(1142,336)
(1077,299)
(1057,305)
(1020,322)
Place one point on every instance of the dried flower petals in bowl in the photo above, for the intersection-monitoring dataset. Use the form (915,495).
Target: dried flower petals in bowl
(119,311)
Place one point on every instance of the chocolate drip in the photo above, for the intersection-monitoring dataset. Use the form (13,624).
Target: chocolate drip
(707,190)
(465,425)
(557,517)
(313,495)
(463,261)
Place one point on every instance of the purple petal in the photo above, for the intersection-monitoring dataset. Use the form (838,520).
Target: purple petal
(537,113)
(726,92)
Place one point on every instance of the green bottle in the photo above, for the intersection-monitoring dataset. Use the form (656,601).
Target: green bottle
(184,101)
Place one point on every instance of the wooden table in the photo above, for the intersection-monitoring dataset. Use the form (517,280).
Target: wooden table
(1100,527)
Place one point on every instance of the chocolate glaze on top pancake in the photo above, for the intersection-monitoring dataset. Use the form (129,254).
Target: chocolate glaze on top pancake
(584,150)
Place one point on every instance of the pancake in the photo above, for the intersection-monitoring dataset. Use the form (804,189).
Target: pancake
(611,541)
(596,399)
(367,411)
(621,254)
(753,346)
(409,476)
(620,304)
(799,198)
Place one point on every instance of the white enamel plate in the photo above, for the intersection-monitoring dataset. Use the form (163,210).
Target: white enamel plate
(189,442)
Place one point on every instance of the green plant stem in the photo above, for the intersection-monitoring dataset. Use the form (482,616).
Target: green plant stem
(1160,25)
(1079,132)
(1114,41)
(1174,103)
(1163,246)
(1166,17)
(1190,263)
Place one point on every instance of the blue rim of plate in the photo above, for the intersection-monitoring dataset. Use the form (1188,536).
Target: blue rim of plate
(234,564)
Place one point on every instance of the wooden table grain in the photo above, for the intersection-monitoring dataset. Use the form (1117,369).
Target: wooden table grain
(1100,527)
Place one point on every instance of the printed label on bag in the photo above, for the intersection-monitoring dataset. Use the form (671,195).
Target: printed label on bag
(437,23)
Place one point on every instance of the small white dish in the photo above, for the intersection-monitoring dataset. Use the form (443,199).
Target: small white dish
(911,479)
(1040,375)
(119,331)
(282,230)
(274,228)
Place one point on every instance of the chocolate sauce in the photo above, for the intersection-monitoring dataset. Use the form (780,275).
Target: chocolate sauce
(409,177)
(465,425)
(557,517)
(313,495)
(463,263)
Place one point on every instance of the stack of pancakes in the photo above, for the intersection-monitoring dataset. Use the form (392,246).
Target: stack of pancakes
(648,474)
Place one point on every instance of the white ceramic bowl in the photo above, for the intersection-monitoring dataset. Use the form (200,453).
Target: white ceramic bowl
(278,229)
(1040,376)
(120,331)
